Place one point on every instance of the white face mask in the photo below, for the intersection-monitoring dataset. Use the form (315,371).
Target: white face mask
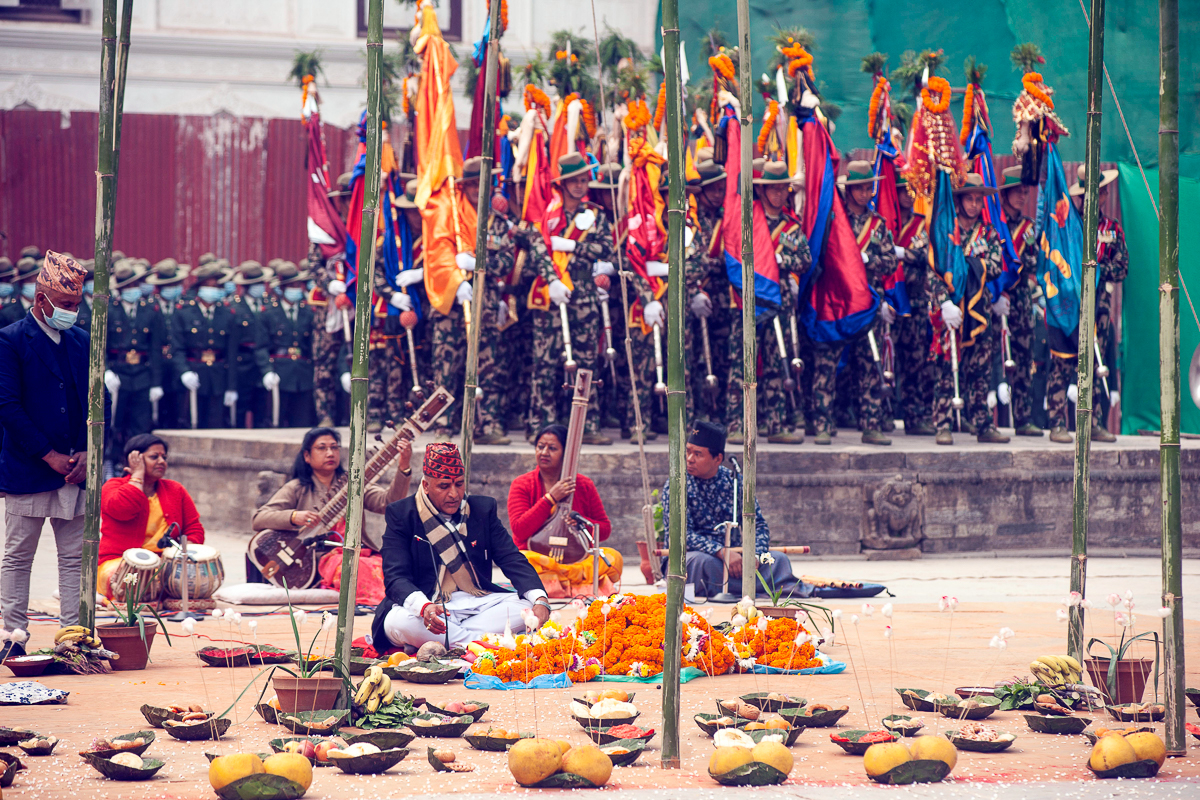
(61,319)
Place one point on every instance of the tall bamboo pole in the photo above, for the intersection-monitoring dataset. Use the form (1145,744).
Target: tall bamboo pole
(362,324)
(672,644)
(1087,317)
(1168,365)
(122,70)
(106,194)
(481,236)
(749,329)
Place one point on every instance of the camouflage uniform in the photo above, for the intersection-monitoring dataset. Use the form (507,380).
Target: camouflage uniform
(794,258)
(861,377)
(585,321)
(974,363)
(517,339)
(915,373)
(1020,324)
(389,381)
(1113,263)
(327,347)
(706,271)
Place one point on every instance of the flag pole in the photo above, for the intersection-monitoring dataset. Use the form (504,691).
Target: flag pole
(1168,365)
(1087,329)
(484,208)
(362,322)
(112,94)
(672,644)
(749,331)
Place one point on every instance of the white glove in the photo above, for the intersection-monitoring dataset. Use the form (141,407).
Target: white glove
(603,268)
(951,314)
(465,261)
(1004,392)
(346,382)
(156,393)
(231,398)
(465,293)
(190,381)
(336,287)
(410,276)
(688,236)
(560,244)
(112,381)
(991,400)
(1000,306)
(1114,398)
(657,269)
(887,313)
(653,313)
(559,293)
(900,251)
(701,305)
(401,301)
(501,311)
(271,381)
(1073,393)
(585,219)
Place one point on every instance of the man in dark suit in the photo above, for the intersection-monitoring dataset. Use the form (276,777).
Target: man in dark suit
(288,324)
(43,461)
(438,553)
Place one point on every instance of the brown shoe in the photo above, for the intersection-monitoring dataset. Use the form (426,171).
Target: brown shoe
(875,437)
(991,435)
(944,436)
(1029,429)
(596,438)
(921,429)
(1102,435)
(1061,435)
(786,437)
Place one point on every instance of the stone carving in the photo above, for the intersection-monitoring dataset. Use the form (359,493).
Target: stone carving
(268,483)
(895,516)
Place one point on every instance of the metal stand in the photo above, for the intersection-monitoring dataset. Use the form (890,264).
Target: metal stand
(185,556)
(725,596)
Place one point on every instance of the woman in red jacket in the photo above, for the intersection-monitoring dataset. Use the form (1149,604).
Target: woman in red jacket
(533,498)
(138,508)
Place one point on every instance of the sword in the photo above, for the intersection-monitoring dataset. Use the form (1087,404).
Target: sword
(275,407)
(570,364)
(885,390)
(154,411)
(346,325)
(710,380)
(789,383)
(610,353)
(192,407)
(113,409)
(233,416)
(417,393)
(797,362)
(660,388)
(1101,370)
(957,402)
(1004,334)
(889,355)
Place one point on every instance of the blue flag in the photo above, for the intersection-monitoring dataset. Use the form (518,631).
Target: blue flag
(1060,258)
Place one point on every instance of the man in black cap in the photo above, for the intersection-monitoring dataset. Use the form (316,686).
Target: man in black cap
(710,504)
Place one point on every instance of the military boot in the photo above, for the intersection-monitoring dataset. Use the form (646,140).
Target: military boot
(1102,435)
(944,436)
(1029,429)
(991,435)
(875,437)
(786,437)
(1061,435)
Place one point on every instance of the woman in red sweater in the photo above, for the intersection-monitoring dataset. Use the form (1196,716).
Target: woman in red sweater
(138,508)
(533,498)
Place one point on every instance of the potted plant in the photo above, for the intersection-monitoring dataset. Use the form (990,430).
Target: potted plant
(129,636)
(1122,680)
(306,689)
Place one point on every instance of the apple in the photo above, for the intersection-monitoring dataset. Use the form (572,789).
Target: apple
(310,750)
(322,750)
(454,707)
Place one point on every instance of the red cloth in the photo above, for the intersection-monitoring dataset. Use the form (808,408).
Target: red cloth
(528,508)
(125,509)
(370,575)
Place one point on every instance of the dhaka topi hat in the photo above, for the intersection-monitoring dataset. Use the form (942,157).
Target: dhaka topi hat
(442,460)
(708,435)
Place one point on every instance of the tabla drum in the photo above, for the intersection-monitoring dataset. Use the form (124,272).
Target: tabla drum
(138,572)
(205,571)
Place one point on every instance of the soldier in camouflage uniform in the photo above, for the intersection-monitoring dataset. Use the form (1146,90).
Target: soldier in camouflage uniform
(1020,299)
(203,334)
(772,195)
(581,236)
(915,373)
(979,240)
(615,405)
(328,300)
(709,293)
(165,282)
(288,324)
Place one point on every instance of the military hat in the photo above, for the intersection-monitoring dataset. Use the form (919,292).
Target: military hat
(472,168)
(166,272)
(572,165)
(710,171)
(773,172)
(274,263)
(7,269)
(27,268)
(206,258)
(408,199)
(126,273)
(116,255)
(211,270)
(249,272)
(1079,188)
(858,172)
(90,266)
(1011,177)
(289,273)
(31,251)
(974,185)
(224,264)
(608,176)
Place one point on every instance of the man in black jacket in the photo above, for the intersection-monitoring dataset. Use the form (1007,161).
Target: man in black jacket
(438,553)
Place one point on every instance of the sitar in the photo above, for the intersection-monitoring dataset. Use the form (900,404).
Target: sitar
(287,558)
(560,537)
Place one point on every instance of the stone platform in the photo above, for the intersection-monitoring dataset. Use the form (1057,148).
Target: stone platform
(1013,499)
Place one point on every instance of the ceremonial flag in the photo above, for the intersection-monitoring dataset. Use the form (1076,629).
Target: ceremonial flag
(963,274)
(836,302)
(887,204)
(647,238)
(539,182)
(1060,258)
(325,228)
(979,147)
(767,296)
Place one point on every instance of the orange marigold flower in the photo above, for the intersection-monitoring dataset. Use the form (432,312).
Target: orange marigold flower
(941,86)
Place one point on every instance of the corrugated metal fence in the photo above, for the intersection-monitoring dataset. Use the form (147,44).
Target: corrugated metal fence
(187,185)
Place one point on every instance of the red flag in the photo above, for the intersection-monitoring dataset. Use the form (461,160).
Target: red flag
(325,228)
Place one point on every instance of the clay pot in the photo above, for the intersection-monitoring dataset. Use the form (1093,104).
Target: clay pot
(306,694)
(1130,678)
(126,642)
(790,612)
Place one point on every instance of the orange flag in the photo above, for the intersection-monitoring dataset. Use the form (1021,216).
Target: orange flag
(444,238)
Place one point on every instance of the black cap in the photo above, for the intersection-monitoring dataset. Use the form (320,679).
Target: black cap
(709,435)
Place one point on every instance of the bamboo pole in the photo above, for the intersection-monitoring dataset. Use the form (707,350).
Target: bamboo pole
(749,328)
(106,194)
(672,644)
(122,70)
(362,323)
(484,209)
(1168,365)
(1087,323)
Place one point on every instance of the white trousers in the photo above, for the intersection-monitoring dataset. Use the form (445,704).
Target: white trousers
(467,618)
(21,537)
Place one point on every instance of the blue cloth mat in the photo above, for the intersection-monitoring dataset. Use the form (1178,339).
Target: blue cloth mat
(561,681)
(866,590)
(830,667)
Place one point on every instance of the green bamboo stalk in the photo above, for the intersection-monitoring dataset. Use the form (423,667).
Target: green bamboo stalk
(1168,365)
(122,71)
(749,328)
(672,644)
(105,212)
(362,324)
(481,236)
(1087,317)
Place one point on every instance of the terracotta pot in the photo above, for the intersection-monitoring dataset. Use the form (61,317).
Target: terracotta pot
(1130,678)
(647,570)
(126,642)
(779,611)
(306,694)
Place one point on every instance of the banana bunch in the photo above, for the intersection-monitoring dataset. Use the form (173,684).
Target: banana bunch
(1056,670)
(76,635)
(375,691)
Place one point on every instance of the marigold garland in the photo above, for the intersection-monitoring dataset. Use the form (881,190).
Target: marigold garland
(503,16)
(722,64)
(638,116)
(1033,83)
(776,646)
(535,97)
(503,128)
(798,59)
(942,87)
(968,121)
(768,125)
(660,107)
(589,118)
(563,55)
(404,96)
(882,87)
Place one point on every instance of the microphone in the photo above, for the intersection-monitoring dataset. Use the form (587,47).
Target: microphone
(735,466)
(169,539)
(581,519)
